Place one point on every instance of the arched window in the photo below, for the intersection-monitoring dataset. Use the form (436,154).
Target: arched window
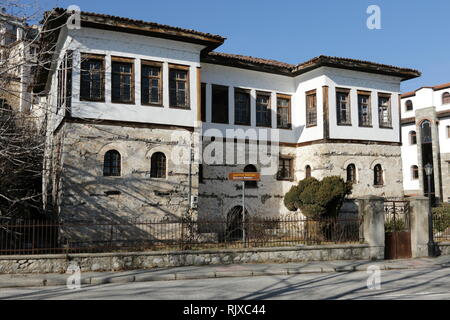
(308,172)
(409,105)
(412,138)
(351,173)
(378,175)
(426,132)
(415,172)
(445,98)
(251,184)
(158,165)
(112,164)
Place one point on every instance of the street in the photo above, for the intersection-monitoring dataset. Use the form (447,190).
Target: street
(427,283)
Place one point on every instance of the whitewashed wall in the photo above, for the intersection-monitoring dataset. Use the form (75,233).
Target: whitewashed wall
(409,158)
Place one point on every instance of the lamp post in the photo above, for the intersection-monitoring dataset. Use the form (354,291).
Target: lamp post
(429,172)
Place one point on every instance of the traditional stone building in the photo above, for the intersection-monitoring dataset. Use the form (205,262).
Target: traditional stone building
(132,100)
(426,140)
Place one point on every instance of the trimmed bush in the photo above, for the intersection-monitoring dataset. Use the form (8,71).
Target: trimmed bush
(318,199)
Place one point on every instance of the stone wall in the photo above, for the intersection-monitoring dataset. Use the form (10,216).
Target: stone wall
(147,260)
(85,194)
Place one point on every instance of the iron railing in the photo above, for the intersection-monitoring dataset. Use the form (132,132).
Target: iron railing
(397,216)
(52,237)
(441,227)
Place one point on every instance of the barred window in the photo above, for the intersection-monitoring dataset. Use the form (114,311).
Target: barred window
(343,107)
(425,132)
(365,116)
(179,87)
(112,164)
(92,86)
(378,175)
(242,107)
(122,81)
(415,172)
(285,169)
(263,110)
(151,83)
(384,111)
(158,165)
(284,112)
(311,109)
(351,173)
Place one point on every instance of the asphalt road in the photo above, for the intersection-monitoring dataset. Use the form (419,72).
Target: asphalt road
(430,283)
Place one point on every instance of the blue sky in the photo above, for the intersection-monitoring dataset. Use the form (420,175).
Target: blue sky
(414,34)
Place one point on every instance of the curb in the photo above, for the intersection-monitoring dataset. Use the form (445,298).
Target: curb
(122,279)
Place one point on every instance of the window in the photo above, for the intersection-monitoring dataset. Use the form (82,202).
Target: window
(378,175)
(351,173)
(284,112)
(426,132)
(311,109)
(92,86)
(308,172)
(251,184)
(409,105)
(412,138)
(179,87)
(364,110)
(343,107)
(242,107)
(263,110)
(384,110)
(122,80)
(285,168)
(112,164)
(64,75)
(158,165)
(151,83)
(446,98)
(219,104)
(415,172)
(448,131)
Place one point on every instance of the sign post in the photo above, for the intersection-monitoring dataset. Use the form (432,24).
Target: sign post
(244,176)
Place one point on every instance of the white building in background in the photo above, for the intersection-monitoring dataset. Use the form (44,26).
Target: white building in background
(122,89)
(426,140)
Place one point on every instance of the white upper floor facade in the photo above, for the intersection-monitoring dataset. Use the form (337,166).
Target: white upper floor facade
(102,73)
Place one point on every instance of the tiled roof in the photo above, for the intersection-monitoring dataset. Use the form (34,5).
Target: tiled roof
(435,88)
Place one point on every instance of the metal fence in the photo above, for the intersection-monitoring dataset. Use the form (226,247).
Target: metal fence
(52,237)
(441,227)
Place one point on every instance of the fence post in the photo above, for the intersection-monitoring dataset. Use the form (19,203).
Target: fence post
(419,226)
(371,209)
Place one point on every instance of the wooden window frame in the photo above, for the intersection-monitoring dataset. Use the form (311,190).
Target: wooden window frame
(381,182)
(389,110)
(308,171)
(291,160)
(187,86)
(123,60)
(248,93)
(308,110)
(268,109)
(354,177)
(349,107)
(407,105)
(159,65)
(411,135)
(368,95)
(99,57)
(289,107)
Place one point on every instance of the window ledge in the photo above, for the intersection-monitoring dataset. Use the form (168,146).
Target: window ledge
(181,108)
(152,105)
(386,127)
(123,102)
(344,124)
(92,100)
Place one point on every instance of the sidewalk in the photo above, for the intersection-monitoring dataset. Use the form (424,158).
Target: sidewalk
(205,272)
